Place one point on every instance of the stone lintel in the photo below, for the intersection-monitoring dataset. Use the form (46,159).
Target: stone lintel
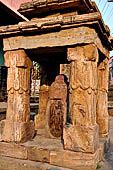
(68,37)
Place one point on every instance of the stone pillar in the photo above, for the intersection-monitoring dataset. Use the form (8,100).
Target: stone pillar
(82,133)
(102,101)
(40,119)
(48,73)
(17,127)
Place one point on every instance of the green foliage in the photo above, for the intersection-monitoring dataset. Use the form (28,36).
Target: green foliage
(99,166)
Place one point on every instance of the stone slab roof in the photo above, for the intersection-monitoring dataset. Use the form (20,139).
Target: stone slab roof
(37,7)
(91,17)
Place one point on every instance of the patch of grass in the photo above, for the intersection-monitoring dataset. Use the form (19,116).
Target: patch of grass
(99,166)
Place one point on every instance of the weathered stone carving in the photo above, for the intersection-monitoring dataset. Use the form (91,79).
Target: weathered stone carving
(102,104)
(82,134)
(56,107)
(40,118)
(53,27)
(56,118)
(17,126)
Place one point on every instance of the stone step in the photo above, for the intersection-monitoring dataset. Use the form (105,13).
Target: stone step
(7,163)
(50,153)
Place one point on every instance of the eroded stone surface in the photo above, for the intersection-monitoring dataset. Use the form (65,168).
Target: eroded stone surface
(56,107)
(17,126)
(102,99)
(86,37)
(40,118)
(82,98)
(81,138)
(17,131)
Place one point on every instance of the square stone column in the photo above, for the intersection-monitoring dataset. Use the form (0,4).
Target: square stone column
(17,127)
(81,133)
(102,97)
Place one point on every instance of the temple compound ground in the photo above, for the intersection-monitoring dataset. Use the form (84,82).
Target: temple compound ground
(72,127)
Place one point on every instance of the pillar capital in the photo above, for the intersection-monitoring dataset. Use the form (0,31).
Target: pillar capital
(17,58)
(88,52)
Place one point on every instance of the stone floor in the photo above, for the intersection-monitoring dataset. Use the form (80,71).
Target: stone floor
(107,163)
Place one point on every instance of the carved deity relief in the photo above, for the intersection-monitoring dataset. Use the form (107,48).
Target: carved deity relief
(56,107)
(56,118)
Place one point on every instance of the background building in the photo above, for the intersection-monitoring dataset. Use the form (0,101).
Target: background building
(111,71)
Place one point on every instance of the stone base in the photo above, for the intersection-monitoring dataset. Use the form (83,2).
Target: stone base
(40,122)
(81,138)
(16,131)
(44,154)
(17,164)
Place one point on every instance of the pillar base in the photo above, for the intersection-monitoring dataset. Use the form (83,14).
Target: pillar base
(81,138)
(16,131)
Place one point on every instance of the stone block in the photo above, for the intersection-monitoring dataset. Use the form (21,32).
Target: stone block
(17,58)
(17,131)
(83,107)
(102,113)
(81,138)
(103,70)
(103,126)
(84,74)
(40,118)
(40,121)
(37,154)
(89,52)
(13,150)
(16,164)
(58,90)
(74,160)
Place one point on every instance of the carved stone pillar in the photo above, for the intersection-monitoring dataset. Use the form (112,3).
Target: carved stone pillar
(102,101)
(17,127)
(82,133)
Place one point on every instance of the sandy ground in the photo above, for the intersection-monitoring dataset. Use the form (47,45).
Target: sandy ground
(107,163)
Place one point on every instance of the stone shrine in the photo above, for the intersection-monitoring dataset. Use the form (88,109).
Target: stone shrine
(73,123)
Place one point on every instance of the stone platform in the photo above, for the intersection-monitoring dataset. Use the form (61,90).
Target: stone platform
(43,153)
